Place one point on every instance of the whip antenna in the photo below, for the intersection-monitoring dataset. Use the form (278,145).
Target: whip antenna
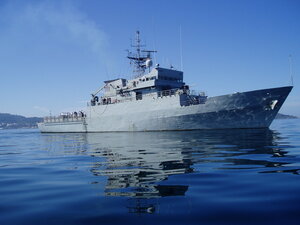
(181,64)
(291,72)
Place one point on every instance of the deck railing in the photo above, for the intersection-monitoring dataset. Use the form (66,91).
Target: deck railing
(59,119)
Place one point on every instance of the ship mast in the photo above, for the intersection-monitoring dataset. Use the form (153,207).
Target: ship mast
(141,59)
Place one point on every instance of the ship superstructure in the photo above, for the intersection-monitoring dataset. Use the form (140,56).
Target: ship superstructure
(157,99)
(158,82)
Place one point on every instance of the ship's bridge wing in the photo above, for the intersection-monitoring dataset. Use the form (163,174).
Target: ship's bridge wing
(160,78)
(169,74)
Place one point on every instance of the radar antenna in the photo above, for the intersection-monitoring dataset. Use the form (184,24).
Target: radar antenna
(141,59)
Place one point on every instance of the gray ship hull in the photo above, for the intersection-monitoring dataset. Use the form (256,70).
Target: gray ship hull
(254,109)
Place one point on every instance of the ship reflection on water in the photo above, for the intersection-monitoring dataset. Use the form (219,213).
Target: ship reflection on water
(136,164)
(139,166)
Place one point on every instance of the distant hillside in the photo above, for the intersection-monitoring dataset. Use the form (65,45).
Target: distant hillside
(8,121)
(283,116)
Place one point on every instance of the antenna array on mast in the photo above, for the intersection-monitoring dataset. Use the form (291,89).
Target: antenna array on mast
(141,59)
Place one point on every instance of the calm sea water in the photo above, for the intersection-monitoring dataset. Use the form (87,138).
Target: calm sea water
(195,177)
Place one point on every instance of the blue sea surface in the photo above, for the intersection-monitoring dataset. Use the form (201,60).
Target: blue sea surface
(191,177)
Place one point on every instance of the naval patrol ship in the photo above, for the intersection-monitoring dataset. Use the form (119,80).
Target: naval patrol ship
(157,99)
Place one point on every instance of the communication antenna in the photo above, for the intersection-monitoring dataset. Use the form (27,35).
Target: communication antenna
(291,72)
(141,59)
(181,64)
(154,38)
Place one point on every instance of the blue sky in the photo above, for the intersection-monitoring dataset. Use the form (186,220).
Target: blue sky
(53,54)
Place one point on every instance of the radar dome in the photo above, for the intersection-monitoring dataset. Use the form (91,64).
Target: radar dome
(148,63)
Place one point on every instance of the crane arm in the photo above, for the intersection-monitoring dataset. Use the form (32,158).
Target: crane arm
(96,92)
